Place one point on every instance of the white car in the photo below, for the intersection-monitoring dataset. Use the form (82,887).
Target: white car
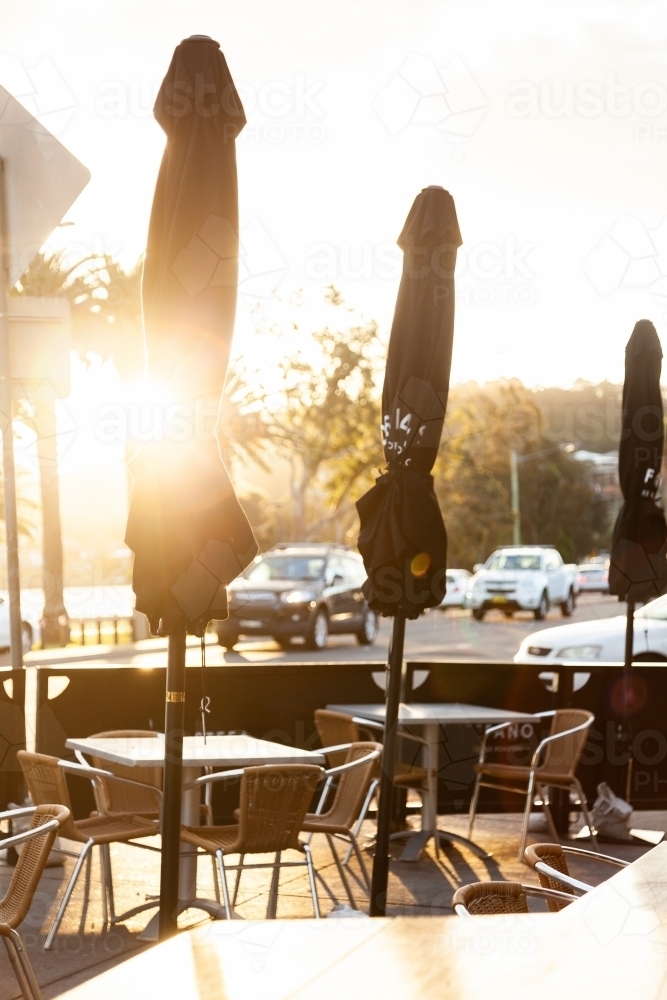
(592,578)
(603,639)
(457,588)
(523,578)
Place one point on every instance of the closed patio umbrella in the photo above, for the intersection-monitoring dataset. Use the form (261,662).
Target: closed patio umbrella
(402,537)
(638,564)
(186,528)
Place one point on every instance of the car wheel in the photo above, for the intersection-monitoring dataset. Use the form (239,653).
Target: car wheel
(368,632)
(567,607)
(477,614)
(508,614)
(285,642)
(228,641)
(26,637)
(542,608)
(318,634)
(649,658)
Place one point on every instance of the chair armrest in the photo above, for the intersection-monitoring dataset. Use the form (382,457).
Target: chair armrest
(380,726)
(563,897)
(87,771)
(337,749)
(15,813)
(350,766)
(36,831)
(487,733)
(205,779)
(574,883)
(594,856)
(557,736)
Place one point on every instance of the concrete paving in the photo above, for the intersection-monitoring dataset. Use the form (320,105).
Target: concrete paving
(84,948)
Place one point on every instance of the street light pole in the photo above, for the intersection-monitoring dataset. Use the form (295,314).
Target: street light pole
(516,503)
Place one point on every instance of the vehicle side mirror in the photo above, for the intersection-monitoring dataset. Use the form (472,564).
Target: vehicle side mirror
(476,568)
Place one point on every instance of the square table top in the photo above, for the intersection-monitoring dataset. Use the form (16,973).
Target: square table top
(218,751)
(445,713)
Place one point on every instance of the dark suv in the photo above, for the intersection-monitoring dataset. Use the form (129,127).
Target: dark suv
(306,590)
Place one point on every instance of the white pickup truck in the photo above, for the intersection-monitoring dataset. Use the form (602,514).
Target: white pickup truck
(523,578)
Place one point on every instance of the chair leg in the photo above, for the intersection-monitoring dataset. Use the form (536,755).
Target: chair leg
(356,829)
(526,815)
(311,879)
(20,964)
(105,887)
(547,812)
(87,847)
(473,805)
(362,863)
(341,870)
(216,884)
(587,815)
(223,883)
(237,882)
(272,907)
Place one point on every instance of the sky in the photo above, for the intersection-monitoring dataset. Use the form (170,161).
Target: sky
(547,121)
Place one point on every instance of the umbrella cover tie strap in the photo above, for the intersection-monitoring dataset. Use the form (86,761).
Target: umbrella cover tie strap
(205,703)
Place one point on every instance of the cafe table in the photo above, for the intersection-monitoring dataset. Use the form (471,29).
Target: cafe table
(218,752)
(430,717)
(609,945)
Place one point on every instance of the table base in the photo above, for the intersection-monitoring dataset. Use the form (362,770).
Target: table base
(150,931)
(418,839)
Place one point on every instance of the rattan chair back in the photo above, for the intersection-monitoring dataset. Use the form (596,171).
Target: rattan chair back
(34,854)
(552,855)
(274,800)
(119,798)
(47,785)
(491,897)
(562,756)
(335,728)
(352,787)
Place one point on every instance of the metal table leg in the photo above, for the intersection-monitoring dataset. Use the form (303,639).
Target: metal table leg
(417,840)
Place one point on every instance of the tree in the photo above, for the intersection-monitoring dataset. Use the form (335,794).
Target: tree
(326,424)
(105,303)
(559,505)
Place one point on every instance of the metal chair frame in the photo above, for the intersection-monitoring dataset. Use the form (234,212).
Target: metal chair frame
(351,838)
(569,880)
(534,784)
(275,865)
(16,952)
(528,890)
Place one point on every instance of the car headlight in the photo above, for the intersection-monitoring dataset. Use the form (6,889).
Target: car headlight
(580,652)
(297,597)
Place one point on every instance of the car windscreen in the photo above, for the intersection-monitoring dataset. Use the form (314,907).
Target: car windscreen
(654,609)
(513,561)
(286,568)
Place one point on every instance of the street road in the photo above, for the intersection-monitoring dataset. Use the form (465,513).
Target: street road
(450,635)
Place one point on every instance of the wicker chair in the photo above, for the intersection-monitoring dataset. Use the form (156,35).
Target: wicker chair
(480,898)
(37,843)
(550,863)
(355,781)
(336,728)
(45,778)
(554,764)
(274,801)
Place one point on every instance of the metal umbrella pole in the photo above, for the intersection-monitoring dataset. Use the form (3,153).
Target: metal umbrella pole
(8,472)
(174,725)
(380,873)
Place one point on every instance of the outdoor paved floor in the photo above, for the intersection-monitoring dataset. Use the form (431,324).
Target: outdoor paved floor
(83,949)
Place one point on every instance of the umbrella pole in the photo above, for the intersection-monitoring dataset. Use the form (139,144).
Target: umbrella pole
(173,767)
(380,874)
(627,688)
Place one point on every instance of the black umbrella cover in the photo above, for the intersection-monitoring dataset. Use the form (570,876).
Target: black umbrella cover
(187,530)
(638,565)
(402,538)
